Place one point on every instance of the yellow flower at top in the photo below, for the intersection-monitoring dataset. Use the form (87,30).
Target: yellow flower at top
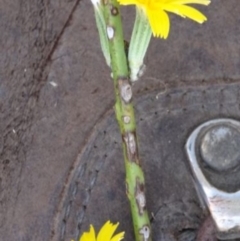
(105,233)
(155,10)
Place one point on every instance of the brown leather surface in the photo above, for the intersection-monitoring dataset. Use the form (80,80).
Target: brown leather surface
(56,100)
(96,189)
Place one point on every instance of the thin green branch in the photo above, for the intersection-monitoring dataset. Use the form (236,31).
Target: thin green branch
(124,111)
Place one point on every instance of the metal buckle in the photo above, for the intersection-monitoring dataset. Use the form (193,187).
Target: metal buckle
(215,146)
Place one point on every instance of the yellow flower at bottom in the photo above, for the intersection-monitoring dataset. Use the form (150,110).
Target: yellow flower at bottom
(105,233)
(156,10)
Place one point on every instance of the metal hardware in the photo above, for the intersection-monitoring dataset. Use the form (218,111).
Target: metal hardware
(216,144)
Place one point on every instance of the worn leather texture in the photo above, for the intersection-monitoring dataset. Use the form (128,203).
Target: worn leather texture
(61,165)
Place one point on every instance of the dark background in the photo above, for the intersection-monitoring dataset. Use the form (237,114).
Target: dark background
(56,100)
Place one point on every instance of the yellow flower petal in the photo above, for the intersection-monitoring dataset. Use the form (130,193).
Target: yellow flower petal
(157,16)
(186,11)
(107,231)
(89,236)
(118,237)
(203,2)
(105,234)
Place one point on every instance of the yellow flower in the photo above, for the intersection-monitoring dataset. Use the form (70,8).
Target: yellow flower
(155,10)
(105,233)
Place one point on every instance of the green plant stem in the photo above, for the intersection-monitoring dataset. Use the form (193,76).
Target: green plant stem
(135,183)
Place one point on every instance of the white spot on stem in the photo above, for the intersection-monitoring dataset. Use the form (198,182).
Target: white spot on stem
(141,200)
(130,142)
(126,119)
(145,231)
(126,92)
(110,32)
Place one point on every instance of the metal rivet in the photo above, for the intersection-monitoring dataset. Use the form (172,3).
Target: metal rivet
(213,139)
(220,147)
